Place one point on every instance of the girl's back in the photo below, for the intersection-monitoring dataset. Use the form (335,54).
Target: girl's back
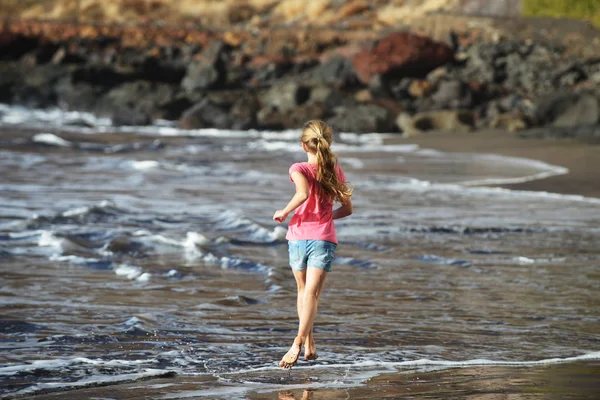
(313,219)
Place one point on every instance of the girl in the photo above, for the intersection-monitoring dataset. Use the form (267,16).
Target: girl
(311,232)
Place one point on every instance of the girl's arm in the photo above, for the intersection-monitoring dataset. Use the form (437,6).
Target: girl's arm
(302,193)
(343,211)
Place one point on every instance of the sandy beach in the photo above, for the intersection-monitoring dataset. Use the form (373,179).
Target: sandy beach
(580,158)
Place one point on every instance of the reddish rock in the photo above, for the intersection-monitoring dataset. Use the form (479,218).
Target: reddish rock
(401,54)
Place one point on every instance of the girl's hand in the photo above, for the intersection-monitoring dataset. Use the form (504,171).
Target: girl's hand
(280,216)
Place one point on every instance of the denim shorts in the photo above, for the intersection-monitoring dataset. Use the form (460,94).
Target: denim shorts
(312,253)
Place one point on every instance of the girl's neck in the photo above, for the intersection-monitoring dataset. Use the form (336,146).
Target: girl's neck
(312,158)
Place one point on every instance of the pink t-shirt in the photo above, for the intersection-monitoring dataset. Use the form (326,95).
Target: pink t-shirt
(313,219)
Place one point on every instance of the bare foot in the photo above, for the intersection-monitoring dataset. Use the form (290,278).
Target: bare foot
(307,395)
(290,358)
(310,351)
(286,396)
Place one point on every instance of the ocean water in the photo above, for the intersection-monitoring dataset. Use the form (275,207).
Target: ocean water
(138,253)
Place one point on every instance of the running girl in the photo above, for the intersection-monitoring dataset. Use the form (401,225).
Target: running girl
(311,233)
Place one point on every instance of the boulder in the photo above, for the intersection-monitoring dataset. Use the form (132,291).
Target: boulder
(10,78)
(35,88)
(14,46)
(361,118)
(203,75)
(222,110)
(135,103)
(452,94)
(285,96)
(445,120)
(243,113)
(380,87)
(76,96)
(566,109)
(401,54)
(337,71)
(205,114)
(273,118)
(509,122)
(419,88)
(329,96)
(209,71)
(155,69)
(105,76)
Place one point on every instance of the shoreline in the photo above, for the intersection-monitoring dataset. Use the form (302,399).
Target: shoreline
(580,158)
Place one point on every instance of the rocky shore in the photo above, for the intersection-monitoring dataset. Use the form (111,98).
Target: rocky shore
(357,80)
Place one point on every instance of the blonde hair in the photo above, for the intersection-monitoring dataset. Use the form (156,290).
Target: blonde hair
(317,136)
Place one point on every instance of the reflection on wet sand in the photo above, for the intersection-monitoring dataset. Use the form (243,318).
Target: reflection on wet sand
(574,381)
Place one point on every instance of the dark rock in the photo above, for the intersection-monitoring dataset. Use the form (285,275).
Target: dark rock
(173,109)
(401,54)
(237,76)
(79,96)
(129,117)
(568,109)
(401,89)
(42,54)
(510,122)
(445,120)
(452,94)
(265,71)
(243,113)
(36,88)
(329,96)
(337,71)
(272,118)
(209,72)
(100,75)
(285,96)
(205,114)
(156,70)
(136,103)
(571,76)
(10,78)
(228,109)
(361,118)
(63,56)
(201,76)
(14,46)
(380,87)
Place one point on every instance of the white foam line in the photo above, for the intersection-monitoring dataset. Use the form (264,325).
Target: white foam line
(51,140)
(423,363)
(416,185)
(61,363)
(354,380)
(507,181)
(93,381)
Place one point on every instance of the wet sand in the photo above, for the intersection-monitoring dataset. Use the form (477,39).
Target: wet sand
(577,381)
(558,381)
(582,159)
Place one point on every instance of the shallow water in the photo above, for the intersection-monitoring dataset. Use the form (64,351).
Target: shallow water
(140,252)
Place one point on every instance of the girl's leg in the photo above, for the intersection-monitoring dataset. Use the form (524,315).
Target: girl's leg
(290,358)
(310,286)
(310,351)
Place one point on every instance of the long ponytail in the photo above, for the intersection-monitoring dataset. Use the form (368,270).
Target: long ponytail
(317,136)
